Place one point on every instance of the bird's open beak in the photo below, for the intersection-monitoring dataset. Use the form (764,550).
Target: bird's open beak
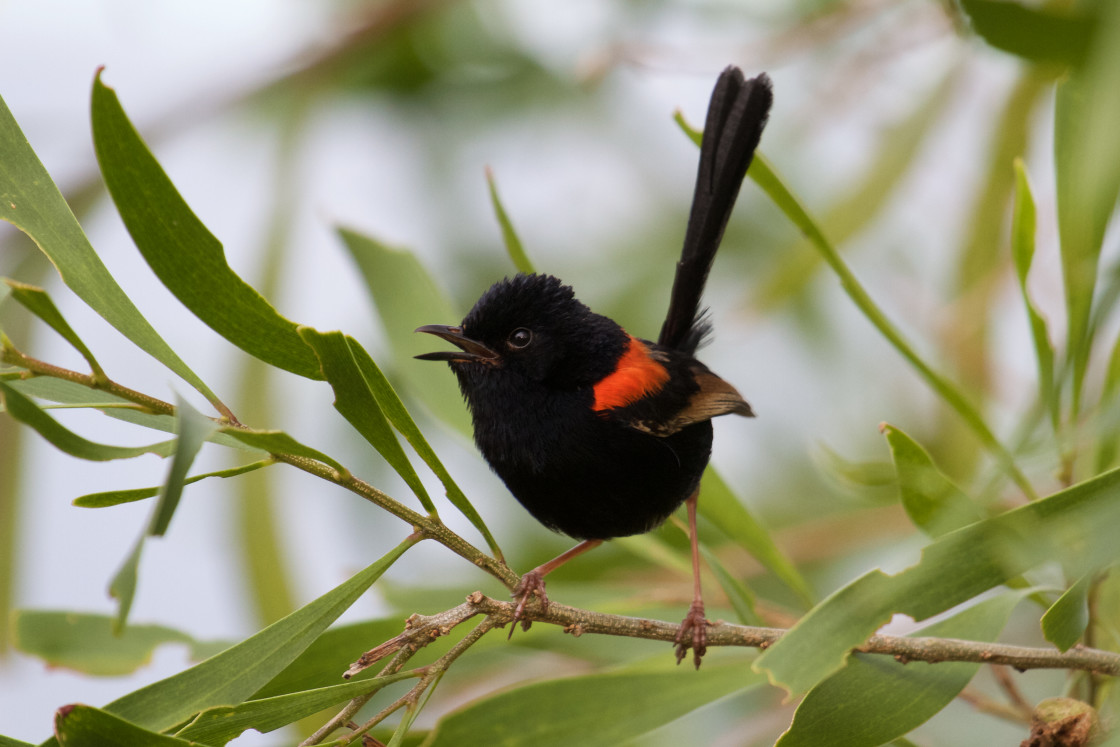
(469,350)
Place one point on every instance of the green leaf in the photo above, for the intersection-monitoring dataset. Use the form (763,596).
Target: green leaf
(741,597)
(117,497)
(31,202)
(184,255)
(411,711)
(875,699)
(122,587)
(73,394)
(220,724)
(407,297)
(1066,620)
(1040,34)
(40,304)
(331,653)
(765,177)
(85,726)
(1075,527)
(509,236)
(9,742)
(192,431)
(763,174)
(794,267)
(395,411)
(231,676)
(27,412)
(279,442)
(933,502)
(869,474)
(598,709)
(1087,171)
(86,642)
(192,428)
(1022,252)
(719,505)
(357,403)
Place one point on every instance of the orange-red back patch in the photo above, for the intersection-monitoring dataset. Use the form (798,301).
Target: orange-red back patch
(636,375)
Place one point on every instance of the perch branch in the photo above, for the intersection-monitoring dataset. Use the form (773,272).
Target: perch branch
(421,630)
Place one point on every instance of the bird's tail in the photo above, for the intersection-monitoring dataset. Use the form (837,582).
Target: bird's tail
(736,115)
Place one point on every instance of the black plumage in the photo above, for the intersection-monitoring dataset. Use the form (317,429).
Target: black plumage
(597,433)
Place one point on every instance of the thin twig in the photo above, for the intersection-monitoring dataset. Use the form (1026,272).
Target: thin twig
(343,717)
(432,674)
(428,527)
(11,355)
(1014,694)
(992,707)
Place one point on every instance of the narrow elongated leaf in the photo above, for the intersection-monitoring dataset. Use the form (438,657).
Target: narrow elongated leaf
(233,675)
(357,403)
(933,502)
(1075,527)
(86,643)
(793,268)
(1066,620)
(9,742)
(763,174)
(220,724)
(411,711)
(31,202)
(40,304)
(73,394)
(192,431)
(599,709)
(407,297)
(1087,171)
(192,428)
(1040,34)
(509,235)
(184,255)
(332,652)
(395,411)
(85,726)
(719,505)
(742,598)
(122,587)
(27,412)
(1022,252)
(279,442)
(117,497)
(875,699)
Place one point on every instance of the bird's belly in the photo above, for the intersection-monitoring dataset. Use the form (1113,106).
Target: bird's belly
(603,480)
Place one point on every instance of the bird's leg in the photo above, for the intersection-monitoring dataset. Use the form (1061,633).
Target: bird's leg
(532,583)
(693,632)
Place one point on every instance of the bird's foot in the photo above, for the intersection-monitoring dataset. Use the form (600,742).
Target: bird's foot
(693,634)
(532,584)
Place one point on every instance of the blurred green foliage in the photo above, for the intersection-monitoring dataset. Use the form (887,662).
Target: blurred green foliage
(995,398)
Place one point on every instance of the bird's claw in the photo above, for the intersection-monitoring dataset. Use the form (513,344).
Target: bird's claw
(693,634)
(532,584)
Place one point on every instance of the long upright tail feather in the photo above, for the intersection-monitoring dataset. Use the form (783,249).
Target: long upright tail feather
(736,116)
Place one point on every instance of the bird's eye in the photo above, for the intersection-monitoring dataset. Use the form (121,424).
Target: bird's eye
(519,338)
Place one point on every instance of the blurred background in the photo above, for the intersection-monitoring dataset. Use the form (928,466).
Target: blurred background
(280,121)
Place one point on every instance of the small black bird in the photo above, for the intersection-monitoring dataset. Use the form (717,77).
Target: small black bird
(597,433)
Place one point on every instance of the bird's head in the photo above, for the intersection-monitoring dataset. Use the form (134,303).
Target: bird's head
(533,327)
